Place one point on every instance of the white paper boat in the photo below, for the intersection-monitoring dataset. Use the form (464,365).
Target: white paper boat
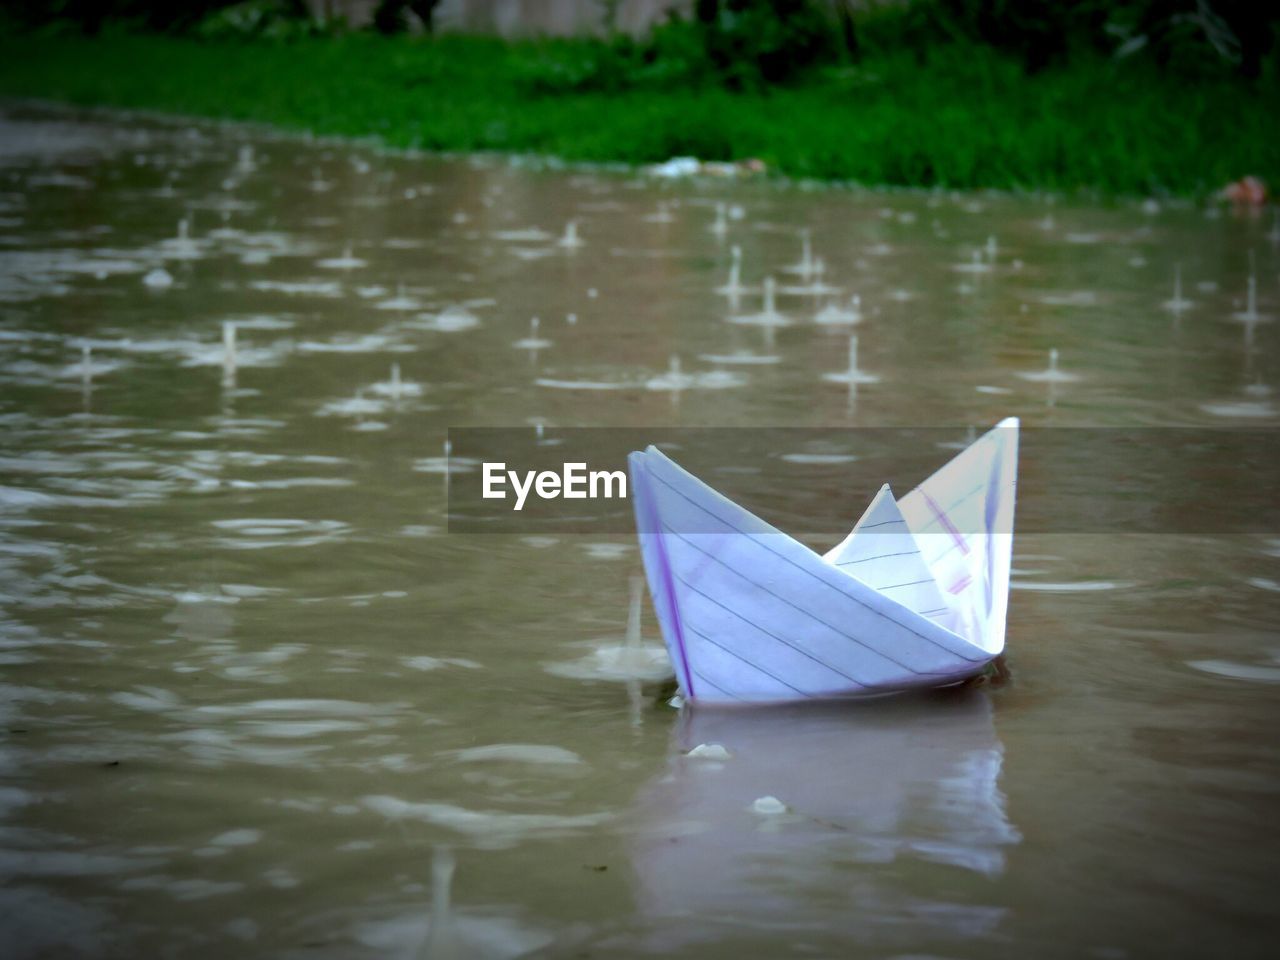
(915,596)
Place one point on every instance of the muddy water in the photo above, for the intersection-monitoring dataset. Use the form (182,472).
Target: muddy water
(258,702)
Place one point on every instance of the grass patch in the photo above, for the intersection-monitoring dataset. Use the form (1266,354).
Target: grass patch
(953,115)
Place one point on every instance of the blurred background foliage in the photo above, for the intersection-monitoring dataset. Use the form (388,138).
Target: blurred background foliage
(755,44)
(247,17)
(1135,96)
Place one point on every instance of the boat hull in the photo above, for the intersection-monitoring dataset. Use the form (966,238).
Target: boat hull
(751,615)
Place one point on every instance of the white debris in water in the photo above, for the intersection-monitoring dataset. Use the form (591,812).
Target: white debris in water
(1231,670)
(675,380)
(570,240)
(532,342)
(237,838)
(280,878)
(852,375)
(768,806)
(445,464)
(721,225)
(617,662)
(396,388)
(263,321)
(436,663)
(369,343)
(348,261)
(490,829)
(1051,374)
(607,551)
(158,279)
(523,235)
(709,751)
(257,534)
(519,753)
(532,253)
(835,315)
(741,358)
(769,315)
(818,459)
(814,288)
(356,406)
(451,319)
(676,167)
(401,302)
(418,530)
(1241,410)
(976,265)
(315,288)
(557,384)
(1069,298)
(662,215)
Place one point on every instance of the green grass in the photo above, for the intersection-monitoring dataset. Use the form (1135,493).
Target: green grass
(965,117)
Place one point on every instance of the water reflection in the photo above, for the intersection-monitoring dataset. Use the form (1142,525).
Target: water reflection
(810,820)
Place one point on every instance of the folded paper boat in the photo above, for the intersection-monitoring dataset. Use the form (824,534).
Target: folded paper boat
(915,596)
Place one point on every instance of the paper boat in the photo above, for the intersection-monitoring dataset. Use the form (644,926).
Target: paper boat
(915,596)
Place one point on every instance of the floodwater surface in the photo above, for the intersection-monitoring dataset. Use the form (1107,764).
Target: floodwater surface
(258,701)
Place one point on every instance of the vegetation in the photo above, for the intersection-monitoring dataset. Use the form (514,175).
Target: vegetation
(1138,97)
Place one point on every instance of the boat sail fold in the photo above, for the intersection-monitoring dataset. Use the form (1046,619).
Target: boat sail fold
(915,596)
(882,552)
